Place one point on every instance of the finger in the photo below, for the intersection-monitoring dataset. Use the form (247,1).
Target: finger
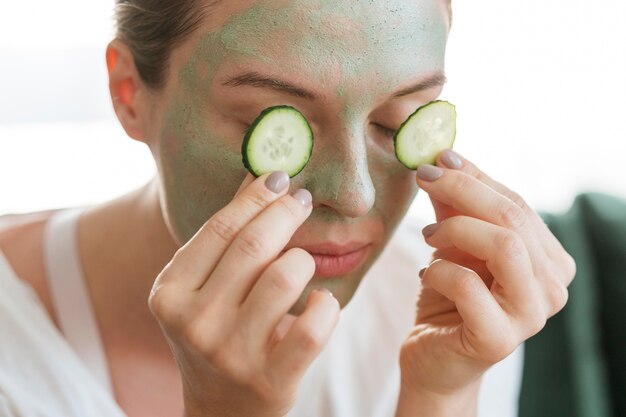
(197,258)
(257,245)
(466,260)
(553,286)
(276,291)
(442,211)
(474,198)
(483,318)
(283,327)
(305,340)
(503,251)
(431,305)
(469,196)
(454,160)
(249,179)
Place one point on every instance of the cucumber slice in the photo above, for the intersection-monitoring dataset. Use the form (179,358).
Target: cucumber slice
(428,131)
(280,139)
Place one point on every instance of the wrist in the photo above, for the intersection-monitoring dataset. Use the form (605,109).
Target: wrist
(422,403)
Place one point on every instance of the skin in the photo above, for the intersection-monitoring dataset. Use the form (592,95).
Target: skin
(360,191)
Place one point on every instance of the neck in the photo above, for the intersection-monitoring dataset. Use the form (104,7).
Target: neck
(124,244)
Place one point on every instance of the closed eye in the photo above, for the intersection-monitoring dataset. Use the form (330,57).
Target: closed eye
(390,133)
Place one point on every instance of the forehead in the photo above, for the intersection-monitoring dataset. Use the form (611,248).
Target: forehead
(339,43)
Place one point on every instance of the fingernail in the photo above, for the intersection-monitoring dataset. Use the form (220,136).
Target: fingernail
(303,196)
(325,290)
(423,271)
(429,172)
(277,182)
(430,230)
(451,159)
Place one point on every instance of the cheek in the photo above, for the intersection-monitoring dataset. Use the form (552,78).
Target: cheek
(395,190)
(200,171)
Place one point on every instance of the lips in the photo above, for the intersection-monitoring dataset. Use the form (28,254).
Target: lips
(332,260)
(333,249)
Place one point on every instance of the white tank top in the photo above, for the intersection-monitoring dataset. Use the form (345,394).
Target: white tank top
(41,374)
(69,294)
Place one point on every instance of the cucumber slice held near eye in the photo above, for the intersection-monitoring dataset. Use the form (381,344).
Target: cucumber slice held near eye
(428,131)
(280,139)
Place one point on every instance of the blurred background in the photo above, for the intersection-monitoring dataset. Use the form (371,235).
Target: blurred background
(540,87)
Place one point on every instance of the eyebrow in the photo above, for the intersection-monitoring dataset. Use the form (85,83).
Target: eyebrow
(435,80)
(255,79)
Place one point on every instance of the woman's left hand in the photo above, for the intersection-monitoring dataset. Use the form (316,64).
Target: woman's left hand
(498,274)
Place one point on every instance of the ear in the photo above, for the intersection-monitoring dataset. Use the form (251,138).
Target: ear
(126,88)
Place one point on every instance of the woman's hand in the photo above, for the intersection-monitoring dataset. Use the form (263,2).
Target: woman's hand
(220,300)
(498,274)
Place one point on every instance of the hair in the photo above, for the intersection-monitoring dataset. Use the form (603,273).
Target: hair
(153,28)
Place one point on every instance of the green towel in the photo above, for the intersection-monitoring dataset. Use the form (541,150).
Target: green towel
(576,366)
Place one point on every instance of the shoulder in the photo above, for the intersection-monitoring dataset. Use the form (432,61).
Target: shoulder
(13,221)
(21,243)
(21,236)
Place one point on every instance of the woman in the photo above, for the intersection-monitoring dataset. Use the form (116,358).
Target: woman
(251,274)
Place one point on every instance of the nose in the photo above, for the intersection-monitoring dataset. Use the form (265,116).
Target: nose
(340,179)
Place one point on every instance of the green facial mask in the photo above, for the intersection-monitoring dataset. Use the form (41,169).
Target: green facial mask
(354,53)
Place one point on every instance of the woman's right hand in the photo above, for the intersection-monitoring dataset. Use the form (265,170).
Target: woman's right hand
(225,291)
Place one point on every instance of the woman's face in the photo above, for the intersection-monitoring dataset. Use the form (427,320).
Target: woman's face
(340,63)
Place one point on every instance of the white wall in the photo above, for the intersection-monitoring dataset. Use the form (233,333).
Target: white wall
(540,87)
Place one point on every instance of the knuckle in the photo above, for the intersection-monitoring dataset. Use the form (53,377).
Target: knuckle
(256,200)
(195,336)
(283,278)
(453,224)
(536,321)
(290,207)
(160,303)
(517,199)
(510,243)
(310,341)
(512,216)
(460,182)
(222,227)
(558,296)
(538,325)
(466,283)
(501,347)
(570,268)
(192,335)
(252,243)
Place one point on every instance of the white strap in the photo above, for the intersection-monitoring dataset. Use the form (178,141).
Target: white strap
(69,293)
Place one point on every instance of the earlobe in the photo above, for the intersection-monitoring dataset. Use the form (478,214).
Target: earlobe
(124,85)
